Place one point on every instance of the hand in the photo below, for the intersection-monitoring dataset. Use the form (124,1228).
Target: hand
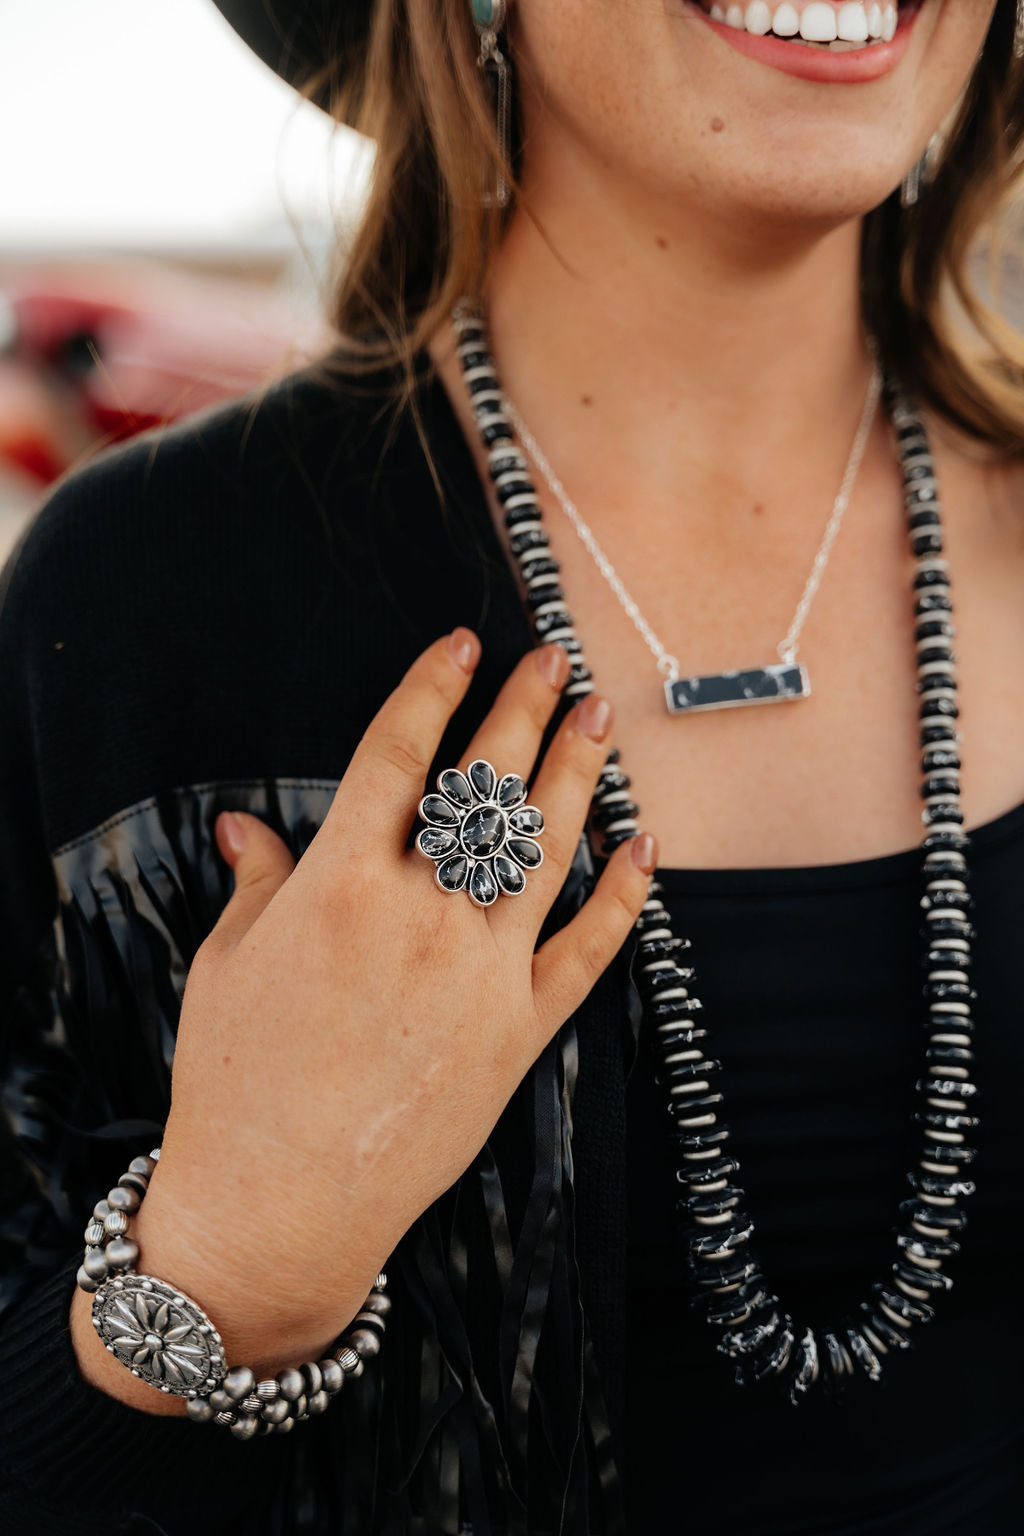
(350,1034)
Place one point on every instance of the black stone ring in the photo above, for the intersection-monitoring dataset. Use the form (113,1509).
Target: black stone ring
(480,832)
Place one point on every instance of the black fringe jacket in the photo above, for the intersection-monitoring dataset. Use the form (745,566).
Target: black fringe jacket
(207,618)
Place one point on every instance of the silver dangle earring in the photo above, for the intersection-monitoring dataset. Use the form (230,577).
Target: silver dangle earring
(489,18)
(917,177)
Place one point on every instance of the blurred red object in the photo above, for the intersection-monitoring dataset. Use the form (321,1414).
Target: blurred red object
(93,353)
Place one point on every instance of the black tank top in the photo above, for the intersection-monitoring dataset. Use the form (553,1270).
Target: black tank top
(811,984)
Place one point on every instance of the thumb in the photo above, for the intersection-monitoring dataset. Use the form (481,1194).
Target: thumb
(261,862)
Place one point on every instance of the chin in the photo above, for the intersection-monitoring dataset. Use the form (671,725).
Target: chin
(796,194)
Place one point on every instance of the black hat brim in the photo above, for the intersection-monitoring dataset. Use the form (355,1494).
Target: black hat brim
(300,39)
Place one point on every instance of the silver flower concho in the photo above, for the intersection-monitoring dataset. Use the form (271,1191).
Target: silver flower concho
(480,832)
(161,1335)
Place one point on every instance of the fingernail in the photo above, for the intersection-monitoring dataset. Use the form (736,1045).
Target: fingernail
(645,852)
(595,717)
(553,665)
(464,648)
(232,831)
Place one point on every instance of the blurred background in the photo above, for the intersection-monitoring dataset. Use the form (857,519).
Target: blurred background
(168,207)
(167,210)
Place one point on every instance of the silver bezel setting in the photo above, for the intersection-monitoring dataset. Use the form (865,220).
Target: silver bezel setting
(501,869)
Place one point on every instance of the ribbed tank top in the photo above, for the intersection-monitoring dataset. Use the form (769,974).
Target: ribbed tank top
(811,983)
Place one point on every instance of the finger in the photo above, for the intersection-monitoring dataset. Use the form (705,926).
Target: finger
(562,792)
(566,967)
(261,862)
(384,781)
(509,737)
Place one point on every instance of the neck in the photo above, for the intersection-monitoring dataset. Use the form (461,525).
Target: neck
(652,351)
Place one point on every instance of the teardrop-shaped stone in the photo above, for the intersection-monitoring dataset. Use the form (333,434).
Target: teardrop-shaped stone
(441,812)
(483,831)
(436,843)
(526,819)
(511,792)
(453,873)
(525,851)
(455,787)
(482,886)
(508,875)
(483,779)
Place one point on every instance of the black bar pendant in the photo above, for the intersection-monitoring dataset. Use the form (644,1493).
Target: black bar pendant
(727,690)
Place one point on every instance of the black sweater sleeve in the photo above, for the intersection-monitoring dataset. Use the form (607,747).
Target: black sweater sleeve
(222,604)
(72,1460)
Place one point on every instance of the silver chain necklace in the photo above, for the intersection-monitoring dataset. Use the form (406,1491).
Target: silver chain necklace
(782,680)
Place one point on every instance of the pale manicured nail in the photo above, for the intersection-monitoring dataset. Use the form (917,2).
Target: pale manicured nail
(553,665)
(645,852)
(233,832)
(595,717)
(464,648)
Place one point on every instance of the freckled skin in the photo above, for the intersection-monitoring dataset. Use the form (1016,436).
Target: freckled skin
(643,88)
(726,379)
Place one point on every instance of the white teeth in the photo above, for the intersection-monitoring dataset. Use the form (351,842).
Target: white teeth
(818,24)
(852,23)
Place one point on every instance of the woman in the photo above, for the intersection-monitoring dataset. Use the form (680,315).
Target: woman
(261,637)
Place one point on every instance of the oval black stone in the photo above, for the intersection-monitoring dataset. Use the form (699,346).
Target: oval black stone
(483,831)
(439,811)
(508,875)
(436,843)
(482,886)
(455,786)
(483,778)
(452,874)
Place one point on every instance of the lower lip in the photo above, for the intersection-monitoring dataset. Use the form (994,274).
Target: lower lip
(850,67)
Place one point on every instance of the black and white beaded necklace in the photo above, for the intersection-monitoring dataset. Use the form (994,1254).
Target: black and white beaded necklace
(753,1328)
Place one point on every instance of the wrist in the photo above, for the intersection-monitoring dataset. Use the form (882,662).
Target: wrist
(248,1285)
(156,1325)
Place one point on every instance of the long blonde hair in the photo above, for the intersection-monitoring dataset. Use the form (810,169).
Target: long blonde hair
(426,239)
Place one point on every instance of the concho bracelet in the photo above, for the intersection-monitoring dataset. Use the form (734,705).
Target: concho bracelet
(165,1338)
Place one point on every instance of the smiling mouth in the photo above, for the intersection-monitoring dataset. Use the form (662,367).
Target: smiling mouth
(854,24)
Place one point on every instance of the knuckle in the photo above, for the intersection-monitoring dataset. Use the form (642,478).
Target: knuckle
(441,676)
(264,884)
(594,951)
(538,707)
(580,758)
(625,905)
(400,750)
(343,885)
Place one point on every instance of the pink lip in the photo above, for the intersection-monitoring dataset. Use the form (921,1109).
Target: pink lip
(849,68)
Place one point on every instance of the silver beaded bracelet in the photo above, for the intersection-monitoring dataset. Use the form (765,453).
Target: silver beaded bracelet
(165,1338)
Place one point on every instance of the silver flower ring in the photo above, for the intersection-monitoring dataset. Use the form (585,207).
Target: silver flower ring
(480,832)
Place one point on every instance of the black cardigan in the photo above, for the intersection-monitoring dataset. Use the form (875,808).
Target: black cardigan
(208,618)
